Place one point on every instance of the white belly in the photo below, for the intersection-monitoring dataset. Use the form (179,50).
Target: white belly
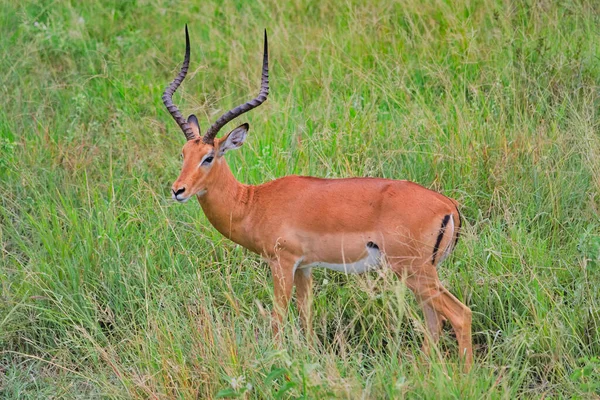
(370,263)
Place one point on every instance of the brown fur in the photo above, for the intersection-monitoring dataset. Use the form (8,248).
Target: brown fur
(297,220)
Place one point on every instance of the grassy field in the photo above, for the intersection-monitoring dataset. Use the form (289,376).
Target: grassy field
(110,290)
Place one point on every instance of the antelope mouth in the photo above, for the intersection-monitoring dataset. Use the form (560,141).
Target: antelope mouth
(179,198)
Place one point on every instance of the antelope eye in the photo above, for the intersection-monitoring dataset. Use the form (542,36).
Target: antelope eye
(207,160)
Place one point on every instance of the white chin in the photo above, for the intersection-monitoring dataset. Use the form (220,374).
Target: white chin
(201,193)
(180,200)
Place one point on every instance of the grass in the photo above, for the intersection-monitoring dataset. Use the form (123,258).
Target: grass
(109,290)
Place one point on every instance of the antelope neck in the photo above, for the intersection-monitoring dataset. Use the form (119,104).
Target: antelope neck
(226,201)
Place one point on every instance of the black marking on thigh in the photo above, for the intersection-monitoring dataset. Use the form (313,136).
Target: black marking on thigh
(439,238)
(459,227)
(372,245)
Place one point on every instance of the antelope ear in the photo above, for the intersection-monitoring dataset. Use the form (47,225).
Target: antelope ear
(233,140)
(193,122)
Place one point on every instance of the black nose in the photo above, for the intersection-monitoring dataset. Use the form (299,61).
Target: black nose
(179,191)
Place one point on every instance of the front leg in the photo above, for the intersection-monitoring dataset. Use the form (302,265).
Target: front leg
(303,282)
(282,271)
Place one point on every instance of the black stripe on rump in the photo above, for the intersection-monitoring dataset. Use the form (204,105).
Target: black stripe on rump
(439,238)
(459,227)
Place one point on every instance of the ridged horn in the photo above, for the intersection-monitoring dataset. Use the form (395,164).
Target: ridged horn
(167,96)
(209,137)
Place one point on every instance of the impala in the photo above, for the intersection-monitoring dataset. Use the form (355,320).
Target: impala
(297,223)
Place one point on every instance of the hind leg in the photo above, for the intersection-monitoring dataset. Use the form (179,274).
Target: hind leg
(433,322)
(435,296)
(439,304)
(460,316)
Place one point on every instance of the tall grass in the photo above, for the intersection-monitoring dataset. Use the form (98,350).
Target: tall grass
(108,289)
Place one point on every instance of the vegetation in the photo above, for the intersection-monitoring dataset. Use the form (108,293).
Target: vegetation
(110,290)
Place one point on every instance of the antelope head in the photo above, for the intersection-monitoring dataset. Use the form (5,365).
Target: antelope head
(202,156)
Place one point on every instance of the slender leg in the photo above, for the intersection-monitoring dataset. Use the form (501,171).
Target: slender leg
(283,282)
(433,322)
(433,295)
(303,282)
(460,316)
(438,305)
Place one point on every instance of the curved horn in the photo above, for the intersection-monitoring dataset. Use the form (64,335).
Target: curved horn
(167,96)
(236,112)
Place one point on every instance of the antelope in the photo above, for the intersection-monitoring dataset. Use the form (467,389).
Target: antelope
(297,223)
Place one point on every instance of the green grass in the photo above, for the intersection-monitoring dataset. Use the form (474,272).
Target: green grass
(110,290)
